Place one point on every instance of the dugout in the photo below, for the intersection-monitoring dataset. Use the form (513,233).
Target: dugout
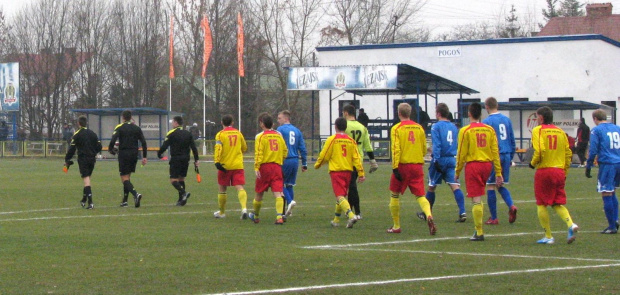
(396,83)
(566,115)
(154,122)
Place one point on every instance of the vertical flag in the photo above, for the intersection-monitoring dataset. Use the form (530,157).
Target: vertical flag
(208,45)
(171,49)
(240,45)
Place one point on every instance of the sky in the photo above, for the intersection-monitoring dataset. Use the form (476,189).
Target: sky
(439,15)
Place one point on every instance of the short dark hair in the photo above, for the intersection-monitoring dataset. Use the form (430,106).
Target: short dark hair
(341,124)
(491,103)
(286,113)
(475,109)
(599,114)
(443,110)
(266,119)
(82,121)
(546,113)
(227,120)
(126,115)
(178,119)
(350,109)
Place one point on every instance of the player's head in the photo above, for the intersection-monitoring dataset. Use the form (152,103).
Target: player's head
(599,115)
(545,115)
(227,120)
(404,110)
(349,110)
(178,120)
(442,110)
(266,120)
(126,115)
(490,104)
(361,110)
(82,121)
(475,110)
(284,117)
(341,124)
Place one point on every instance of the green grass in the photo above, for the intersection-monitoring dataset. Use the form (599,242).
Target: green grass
(49,244)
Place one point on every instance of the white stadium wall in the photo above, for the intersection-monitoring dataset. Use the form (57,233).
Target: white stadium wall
(584,67)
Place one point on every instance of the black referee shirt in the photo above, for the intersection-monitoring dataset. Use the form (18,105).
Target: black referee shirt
(128,135)
(86,142)
(179,141)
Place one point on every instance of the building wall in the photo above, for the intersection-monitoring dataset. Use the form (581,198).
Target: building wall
(536,68)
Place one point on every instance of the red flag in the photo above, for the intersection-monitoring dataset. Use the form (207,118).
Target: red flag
(208,45)
(240,45)
(171,75)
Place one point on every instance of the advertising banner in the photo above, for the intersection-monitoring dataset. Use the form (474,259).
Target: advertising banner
(345,78)
(9,87)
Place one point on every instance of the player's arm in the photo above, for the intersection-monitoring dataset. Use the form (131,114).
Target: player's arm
(494,145)
(192,145)
(568,154)
(258,151)
(357,159)
(143,142)
(244,146)
(462,150)
(302,151)
(436,142)
(164,146)
(113,141)
(423,141)
(325,153)
(512,141)
(72,148)
(537,146)
(395,147)
(594,145)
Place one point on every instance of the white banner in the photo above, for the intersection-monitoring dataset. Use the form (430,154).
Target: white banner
(9,87)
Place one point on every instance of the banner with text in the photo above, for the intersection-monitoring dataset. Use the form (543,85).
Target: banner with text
(345,78)
(9,87)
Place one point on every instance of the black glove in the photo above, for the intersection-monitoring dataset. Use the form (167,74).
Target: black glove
(68,164)
(220,167)
(304,167)
(588,175)
(159,155)
(397,174)
(531,166)
(113,151)
(438,167)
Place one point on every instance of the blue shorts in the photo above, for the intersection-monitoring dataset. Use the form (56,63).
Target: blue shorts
(289,171)
(506,162)
(608,177)
(448,166)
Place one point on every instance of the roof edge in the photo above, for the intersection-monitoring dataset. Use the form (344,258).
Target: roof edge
(474,42)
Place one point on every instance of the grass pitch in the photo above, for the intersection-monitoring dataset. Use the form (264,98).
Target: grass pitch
(50,245)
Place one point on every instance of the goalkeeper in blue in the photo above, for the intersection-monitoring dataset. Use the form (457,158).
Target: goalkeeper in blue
(507,148)
(296,149)
(444,139)
(605,143)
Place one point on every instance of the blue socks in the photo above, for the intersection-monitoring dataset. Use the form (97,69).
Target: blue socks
(615,200)
(289,195)
(460,200)
(430,196)
(492,202)
(608,206)
(505,193)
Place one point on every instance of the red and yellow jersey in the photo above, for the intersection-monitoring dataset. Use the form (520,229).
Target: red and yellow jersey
(477,143)
(229,148)
(408,143)
(551,147)
(341,152)
(269,147)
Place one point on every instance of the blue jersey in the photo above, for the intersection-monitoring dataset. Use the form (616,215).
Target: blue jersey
(503,129)
(444,136)
(294,142)
(605,142)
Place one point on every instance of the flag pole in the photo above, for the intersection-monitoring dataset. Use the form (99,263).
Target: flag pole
(239,103)
(204,116)
(170,97)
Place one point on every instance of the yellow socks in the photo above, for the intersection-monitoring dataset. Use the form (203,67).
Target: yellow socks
(221,201)
(257,205)
(280,206)
(563,212)
(345,207)
(425,205)
(478,211)
(337,213)
(243,198)
(395,210)
(543,217)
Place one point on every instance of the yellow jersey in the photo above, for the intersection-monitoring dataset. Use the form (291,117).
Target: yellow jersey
(551,147)
(340,151)
(477,143)
(229,148)
(269,147)
(408,143)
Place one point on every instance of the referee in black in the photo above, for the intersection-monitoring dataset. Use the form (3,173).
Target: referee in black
(88,146)
(128,136)
(180,142)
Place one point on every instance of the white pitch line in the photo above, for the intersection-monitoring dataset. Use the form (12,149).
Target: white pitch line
(484,254)
(410,280)
(101,216)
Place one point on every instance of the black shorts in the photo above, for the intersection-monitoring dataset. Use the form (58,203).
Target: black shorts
(178,167)
(87,165)
(127,160)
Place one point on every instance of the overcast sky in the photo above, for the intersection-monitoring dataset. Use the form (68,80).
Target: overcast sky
(439,15)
